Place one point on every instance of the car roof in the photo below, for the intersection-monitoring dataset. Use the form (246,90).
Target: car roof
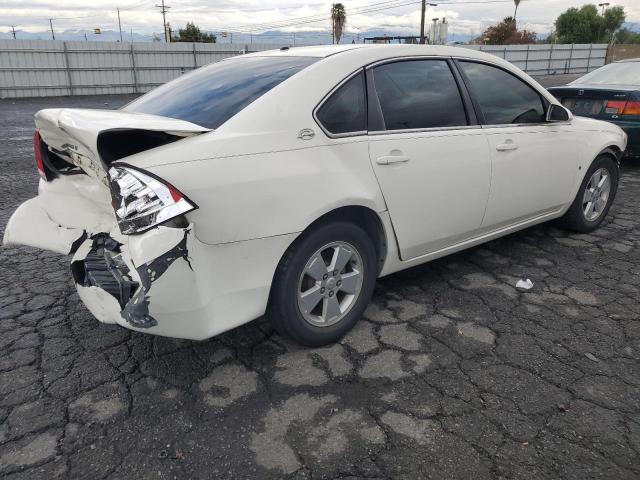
(383,50)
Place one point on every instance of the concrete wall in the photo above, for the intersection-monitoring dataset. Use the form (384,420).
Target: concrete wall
(39,68)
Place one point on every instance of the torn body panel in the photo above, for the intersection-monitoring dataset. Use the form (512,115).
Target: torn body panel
(104,263)
(183,292)
(163,281)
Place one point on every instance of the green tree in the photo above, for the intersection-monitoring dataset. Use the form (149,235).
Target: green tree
(505,33)
(585,25)
(338,21)
(191,33)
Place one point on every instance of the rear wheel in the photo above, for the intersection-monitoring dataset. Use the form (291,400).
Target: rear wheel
(595,196)
(323,284)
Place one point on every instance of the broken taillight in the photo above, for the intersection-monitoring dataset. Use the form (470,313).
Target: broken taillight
(142,201)
(37,148)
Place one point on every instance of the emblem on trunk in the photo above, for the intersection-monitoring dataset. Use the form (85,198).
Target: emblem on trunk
(306,134)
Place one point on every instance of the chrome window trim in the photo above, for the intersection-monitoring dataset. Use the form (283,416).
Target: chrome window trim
(425,130)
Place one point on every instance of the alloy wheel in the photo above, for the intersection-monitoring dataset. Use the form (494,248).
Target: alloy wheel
(330,284)
(596,194)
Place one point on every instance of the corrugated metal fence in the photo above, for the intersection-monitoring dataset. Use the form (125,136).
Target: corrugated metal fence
(550,59)
(36,68)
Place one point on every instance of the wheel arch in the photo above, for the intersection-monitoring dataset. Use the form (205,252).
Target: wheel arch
(365,217)
(613,151)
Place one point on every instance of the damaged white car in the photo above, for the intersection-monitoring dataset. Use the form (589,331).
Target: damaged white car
(286,182)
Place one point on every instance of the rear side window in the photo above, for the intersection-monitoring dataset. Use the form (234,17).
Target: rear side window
(418,94)
(503,98)
(345,110)
(213,94)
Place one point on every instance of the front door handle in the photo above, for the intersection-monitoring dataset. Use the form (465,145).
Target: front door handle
(389,159)
(506,146)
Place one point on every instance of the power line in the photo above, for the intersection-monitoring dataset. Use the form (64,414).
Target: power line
(323,17)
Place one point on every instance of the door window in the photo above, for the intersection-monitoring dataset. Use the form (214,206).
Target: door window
(503,98)
(418,94)
(345,110)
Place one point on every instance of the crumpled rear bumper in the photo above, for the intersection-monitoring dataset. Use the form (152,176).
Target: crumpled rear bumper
(163,281)
(139,287)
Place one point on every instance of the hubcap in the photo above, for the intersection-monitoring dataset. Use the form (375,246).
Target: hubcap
(330,284)
(596,194)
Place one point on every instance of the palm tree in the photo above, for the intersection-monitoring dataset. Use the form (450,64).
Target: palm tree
(338,21)
(517,2)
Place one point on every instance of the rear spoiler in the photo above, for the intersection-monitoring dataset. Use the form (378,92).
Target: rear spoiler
(76,134)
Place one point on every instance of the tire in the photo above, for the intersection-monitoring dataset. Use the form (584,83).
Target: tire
(579,217)
(303,276)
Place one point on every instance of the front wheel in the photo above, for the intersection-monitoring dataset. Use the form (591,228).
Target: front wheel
(323,284)
(595,196)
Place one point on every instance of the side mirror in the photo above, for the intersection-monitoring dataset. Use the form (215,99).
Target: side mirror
(557,113)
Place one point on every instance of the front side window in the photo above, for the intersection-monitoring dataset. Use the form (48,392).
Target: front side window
(418,94)
(345,110)
(213,94)
(503,98)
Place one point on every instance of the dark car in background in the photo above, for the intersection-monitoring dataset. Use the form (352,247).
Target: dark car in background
(610,93)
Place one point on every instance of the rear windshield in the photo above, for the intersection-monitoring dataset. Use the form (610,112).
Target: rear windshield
(213,94)
(625,73)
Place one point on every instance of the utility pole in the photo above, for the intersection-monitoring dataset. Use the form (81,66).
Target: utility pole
(13,30)
(164,9)
(119,24)
(53,35)
(424,9)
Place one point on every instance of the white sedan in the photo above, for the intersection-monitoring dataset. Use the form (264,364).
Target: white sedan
(286,182)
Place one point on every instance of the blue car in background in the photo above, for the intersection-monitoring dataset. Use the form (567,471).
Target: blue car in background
(610,93)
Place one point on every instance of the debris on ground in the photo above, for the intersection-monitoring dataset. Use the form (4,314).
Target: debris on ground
(591,357)
(524,284)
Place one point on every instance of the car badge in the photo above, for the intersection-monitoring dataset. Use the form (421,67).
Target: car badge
(580,92)
(306,134)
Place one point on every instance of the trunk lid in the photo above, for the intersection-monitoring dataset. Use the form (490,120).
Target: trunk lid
(602,102)
(87,138)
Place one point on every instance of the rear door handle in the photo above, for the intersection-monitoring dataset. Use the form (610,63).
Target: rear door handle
(505,147)
(389,159)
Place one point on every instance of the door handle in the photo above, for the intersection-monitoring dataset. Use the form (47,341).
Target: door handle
(389,159)
(506,146)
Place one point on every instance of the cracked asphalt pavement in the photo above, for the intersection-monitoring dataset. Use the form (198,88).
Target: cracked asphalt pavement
(453,372)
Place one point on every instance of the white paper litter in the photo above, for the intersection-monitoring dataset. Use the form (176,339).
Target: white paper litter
(524,284)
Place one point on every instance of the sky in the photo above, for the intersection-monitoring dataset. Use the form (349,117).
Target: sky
(466,17)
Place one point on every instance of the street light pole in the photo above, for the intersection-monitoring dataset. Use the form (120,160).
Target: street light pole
(603,5)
